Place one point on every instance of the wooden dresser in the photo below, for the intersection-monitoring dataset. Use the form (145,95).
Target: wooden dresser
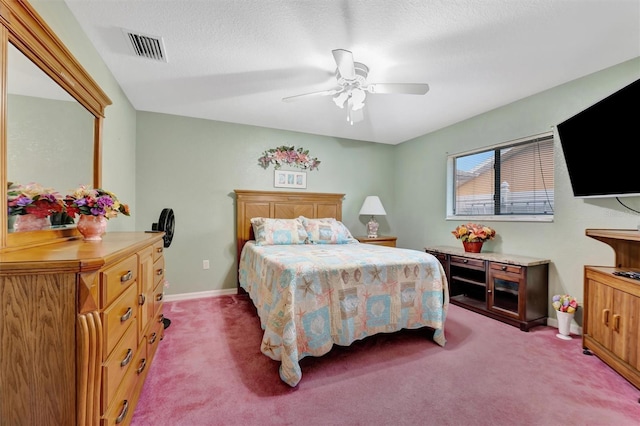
(388,241)
(611,317)
(81,322)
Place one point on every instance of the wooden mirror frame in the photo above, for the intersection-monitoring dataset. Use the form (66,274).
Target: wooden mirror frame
(23,27)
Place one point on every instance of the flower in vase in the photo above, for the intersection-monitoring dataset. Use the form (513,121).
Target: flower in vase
(473,233)
(33,199)
(564,303)
(94,202)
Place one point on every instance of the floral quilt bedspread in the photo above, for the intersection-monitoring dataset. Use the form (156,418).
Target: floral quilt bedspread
(310,297)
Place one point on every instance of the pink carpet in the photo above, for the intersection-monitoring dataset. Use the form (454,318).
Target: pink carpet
(209,371)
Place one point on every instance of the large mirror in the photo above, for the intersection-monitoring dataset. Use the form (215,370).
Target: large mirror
(49,133)
(51,117)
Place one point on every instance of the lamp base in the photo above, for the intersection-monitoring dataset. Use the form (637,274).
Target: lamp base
(372,228)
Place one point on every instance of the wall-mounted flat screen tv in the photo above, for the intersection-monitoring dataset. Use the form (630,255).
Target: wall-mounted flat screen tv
(601,146)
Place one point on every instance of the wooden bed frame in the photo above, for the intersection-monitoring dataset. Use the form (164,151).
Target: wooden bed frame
(281,205)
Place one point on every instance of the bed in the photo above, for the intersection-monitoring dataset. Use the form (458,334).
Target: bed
(320,287)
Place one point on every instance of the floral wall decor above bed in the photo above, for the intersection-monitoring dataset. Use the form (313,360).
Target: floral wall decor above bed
(288,155)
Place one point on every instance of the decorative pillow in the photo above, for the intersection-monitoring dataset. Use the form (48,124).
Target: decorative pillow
(269,231)
(326,231)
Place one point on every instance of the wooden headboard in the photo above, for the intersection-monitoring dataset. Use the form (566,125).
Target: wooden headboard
(282,205)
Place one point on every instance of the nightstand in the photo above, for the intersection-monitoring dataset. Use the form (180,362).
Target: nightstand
(379,240)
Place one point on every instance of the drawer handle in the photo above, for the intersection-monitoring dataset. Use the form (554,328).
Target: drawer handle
(159,250)
(126,277)
(504,268)
(159,271)
(123,413)
(143,364)
(465,261)
(127,315)
(161,318)
(152,339)
(127,359)
(159,297)
(605,317)
(142,299)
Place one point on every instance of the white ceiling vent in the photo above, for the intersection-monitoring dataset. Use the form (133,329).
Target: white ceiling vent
(146,46)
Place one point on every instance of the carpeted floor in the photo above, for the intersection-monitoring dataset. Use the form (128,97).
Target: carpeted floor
(209,371)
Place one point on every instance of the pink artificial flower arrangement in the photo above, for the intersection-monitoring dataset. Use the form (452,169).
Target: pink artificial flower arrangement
(473,233)
(288,155)
(564,303)
(33,199)
(94,202)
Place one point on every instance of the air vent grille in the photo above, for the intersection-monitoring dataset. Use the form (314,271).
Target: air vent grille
(146,46)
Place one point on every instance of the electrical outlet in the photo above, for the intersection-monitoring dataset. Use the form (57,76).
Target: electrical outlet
(205,264)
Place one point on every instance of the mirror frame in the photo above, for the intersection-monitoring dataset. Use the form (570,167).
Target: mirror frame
(23,27)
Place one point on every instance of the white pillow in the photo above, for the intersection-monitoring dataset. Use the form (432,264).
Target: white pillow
(268,231)
(326,231)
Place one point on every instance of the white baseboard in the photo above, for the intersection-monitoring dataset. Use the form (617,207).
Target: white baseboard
(574,328)
(199,295)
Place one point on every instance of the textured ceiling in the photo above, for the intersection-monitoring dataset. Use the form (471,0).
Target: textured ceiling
(234,60)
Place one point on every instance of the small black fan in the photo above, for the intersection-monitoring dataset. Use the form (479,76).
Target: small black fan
(166,224)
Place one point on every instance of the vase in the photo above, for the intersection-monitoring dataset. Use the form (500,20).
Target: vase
(30,222)
(472,246)
(564,324)
(92,227)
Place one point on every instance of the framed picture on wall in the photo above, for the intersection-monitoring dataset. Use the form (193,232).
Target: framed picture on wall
(290,179)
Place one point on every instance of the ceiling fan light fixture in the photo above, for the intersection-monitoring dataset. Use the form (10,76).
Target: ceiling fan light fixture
(357,99)
(340,99)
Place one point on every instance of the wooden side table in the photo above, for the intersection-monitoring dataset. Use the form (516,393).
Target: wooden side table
(381,240)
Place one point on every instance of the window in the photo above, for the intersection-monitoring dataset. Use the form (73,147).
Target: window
(512,181)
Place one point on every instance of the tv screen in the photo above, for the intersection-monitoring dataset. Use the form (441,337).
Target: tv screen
(600,145)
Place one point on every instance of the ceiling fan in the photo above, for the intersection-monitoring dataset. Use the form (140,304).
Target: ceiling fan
(352,86)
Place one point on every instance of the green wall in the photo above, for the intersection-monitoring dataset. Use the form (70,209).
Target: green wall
(193,165)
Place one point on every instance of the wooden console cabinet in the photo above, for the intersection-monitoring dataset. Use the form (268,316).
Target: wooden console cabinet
(511,289)
(80,325)
(611,305)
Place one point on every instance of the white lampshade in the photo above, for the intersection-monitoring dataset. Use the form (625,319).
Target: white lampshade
(372,206)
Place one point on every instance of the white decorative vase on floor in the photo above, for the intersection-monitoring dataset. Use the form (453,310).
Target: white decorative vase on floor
(564,324)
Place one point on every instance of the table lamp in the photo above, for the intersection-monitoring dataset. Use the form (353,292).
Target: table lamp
(372,206)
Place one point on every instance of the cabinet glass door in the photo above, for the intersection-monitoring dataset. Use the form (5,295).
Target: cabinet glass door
(504,295)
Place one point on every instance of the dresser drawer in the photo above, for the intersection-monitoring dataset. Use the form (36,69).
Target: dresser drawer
(158,298)
(120,409)
(117,318)
(158,250)
(442,257)
(122,358)
(467,263)
(506,268)
(158,271)
(155,334)
(117,278)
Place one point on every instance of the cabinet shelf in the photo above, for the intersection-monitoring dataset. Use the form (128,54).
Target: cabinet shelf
(462,299)
(468,281)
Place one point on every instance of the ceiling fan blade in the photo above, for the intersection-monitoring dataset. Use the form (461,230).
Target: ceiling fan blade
(401,88)
(313,95)
(344,61)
